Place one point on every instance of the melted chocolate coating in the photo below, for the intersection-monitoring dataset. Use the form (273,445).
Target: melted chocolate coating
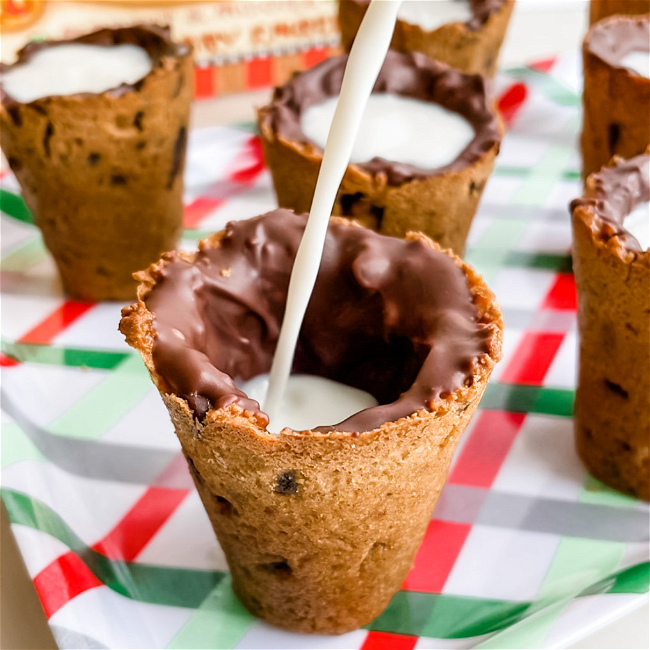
(392,317)
(481,11)
(613,39)
(617,191)
(154,40)
(409,75)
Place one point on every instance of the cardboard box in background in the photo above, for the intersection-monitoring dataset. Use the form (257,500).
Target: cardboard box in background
(238,45)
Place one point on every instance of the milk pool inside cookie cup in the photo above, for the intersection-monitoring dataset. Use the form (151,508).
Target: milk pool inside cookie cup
(430,16)
(389,317)
(407,130)
(72,68)
(637,223)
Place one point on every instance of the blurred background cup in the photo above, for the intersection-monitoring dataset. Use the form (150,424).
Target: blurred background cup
(102,172)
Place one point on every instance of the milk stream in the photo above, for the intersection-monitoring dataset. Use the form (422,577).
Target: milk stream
(76,68)
(363,67)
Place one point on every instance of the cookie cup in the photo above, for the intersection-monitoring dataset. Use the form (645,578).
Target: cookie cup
(319,527)
(612,409)
(616,119)
(102,173)
(387,196)
(472,48)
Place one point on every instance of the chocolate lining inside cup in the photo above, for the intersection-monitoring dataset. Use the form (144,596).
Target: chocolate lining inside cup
(481,11)
(615,192)
(614,38)
(154,40)
(410,75)
(393,317)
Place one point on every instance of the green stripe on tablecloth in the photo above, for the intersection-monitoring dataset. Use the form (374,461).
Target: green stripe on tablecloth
(194,234)
(14,206)
(600,494)
(26,254)
(528,399)
(219,622)
(546,261)
(510,170)
(446,616)
(634,580)
(15,446)
(546,84)
(528,632)
(27,511)
(538,184)
(490,253)
(578,565)
(578,561)
(455,617)
(64,356)
(103,406)
(220,616)
(479,256)
(147,583)
(249,127)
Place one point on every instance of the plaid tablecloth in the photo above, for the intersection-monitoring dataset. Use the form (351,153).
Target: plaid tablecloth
(524,550)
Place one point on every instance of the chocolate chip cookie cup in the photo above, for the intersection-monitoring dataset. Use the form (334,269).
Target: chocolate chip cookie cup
(319,527)
(612,268)
(616,95)
(102,172)
(599,9)
(393,195)
(469,40)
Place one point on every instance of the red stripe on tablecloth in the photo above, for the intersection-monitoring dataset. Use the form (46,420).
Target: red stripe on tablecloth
(199,209)
(52,325)
(436,556)
(252,162)
(248,165)
(533,357)
(512,100)
(544,65)
(388,641)
(63,580)
(125,542)
(487,447)
(140,524)
(562,295)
